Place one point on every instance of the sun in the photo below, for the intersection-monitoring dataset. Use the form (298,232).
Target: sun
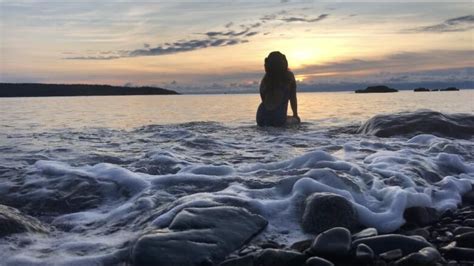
(298,57)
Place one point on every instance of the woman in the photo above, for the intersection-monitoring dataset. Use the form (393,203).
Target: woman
(278,86)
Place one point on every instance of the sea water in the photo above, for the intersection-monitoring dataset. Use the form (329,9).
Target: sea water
(104,170)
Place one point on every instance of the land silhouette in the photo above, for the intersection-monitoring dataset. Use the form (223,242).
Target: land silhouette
(49,90)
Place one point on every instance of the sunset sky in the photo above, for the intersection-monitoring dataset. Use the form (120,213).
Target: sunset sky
(217,46)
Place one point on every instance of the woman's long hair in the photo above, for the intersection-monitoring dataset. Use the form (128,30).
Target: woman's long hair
(276,69)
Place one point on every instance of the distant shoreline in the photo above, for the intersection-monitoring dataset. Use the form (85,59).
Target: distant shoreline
(9,90)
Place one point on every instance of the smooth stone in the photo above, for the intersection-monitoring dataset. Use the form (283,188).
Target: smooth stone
(272,257)
(463,229)
(425,257)
(324,210)
(301,245)
(391,254)
(384,243)
(459,254)
(317,261)
(419,232)
(420,216)
(364,253)
(198,236)
(12,221)
(465,240)
(469,222)
(368,232)
(246,260)
(468,198)
(269,244)
(333,242)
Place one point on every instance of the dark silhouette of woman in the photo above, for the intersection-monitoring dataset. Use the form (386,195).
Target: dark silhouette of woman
(278,86)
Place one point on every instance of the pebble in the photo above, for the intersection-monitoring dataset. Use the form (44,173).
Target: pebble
(457,253)
(420,232)
(317,261)
(463,229)
(333,242)
(368,232)
(240,261)
(364,253)
(272,257)
(465,240)
(384,243)
(391,254)
(301,245)
(469,222)
(424,257)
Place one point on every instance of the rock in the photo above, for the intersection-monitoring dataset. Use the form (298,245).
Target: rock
(376,89)
(364,253)
(246,260)
(317,261)
(269,244)
(468,198)
(391,254)
(457,253)
(327,210)
(12,221)
(331,243)
(410,124)
(465,240)
(420,216)
(419,232)
(469,222)
(271,257)
(463,229)
(425,257)
(301,245)
(368,232)
(198,236)
(384,243)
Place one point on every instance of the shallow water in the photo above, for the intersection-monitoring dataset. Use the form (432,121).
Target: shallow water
(103,170)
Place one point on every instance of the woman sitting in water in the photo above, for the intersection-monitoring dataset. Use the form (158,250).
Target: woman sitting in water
(278,86)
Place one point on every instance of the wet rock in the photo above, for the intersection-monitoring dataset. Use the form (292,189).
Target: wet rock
(240,261)
(317,261)
(457,253)
(384,243)
(423,232)
(269,244)
(391,254)
(198,236)
(463,229)
(301,245)
(271,257)
(465,240)
(327,210)
(331,243)
(368,232)
(12,221)
(469,222)
(422,122)
(364,253)
(420,216)
(425,257)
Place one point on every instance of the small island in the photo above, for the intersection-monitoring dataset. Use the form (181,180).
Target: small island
(376,89)
(450,89)
(421,89)
(50,90)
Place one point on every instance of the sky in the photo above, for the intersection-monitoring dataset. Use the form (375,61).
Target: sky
(219,46)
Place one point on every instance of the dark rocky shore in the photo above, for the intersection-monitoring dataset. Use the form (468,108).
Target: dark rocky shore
(427,238)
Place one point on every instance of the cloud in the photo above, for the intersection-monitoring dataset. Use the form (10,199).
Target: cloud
(458,24)
(304,19)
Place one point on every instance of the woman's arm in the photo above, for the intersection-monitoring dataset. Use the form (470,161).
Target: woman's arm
(293,100)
